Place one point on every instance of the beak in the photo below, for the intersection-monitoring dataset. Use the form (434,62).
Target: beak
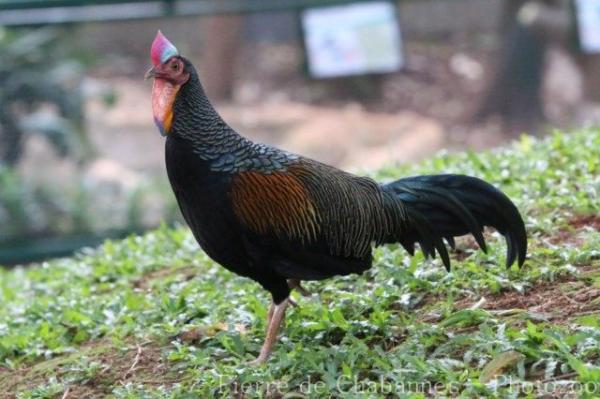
(152,73)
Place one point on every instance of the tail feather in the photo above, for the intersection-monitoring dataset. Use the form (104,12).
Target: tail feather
(447,206)
(430,241)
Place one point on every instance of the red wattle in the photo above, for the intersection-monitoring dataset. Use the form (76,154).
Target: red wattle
(163,97)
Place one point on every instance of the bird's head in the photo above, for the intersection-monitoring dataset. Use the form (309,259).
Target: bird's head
(170,72)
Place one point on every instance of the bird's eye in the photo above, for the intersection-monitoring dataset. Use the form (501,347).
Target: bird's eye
(175,66)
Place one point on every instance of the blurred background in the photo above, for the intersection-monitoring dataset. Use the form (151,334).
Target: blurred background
(354,84)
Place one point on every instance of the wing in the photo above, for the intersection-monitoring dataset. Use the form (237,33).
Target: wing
(315,207)
(275,204)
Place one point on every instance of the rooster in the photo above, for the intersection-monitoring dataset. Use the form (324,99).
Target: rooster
(281,218)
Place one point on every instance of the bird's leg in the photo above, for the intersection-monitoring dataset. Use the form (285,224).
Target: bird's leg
(295,285)
(270,313)
(276,318)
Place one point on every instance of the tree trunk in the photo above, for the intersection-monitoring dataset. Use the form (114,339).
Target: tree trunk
(222,42)
(590,65)
(515,91)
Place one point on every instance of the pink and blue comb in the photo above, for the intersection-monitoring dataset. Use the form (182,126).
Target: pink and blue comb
(162,49)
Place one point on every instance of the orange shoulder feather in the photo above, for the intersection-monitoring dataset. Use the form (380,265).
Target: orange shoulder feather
(275,203)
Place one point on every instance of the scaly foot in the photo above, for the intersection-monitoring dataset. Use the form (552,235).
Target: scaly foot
(277,316)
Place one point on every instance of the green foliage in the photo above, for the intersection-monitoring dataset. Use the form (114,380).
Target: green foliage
(41,92)
(41,70)
(406,328)
(30,210)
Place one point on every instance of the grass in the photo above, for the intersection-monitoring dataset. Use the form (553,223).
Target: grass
(151,316)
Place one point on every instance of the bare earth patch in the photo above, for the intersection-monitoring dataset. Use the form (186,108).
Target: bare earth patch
(140,362)
(558,301)
(186,273)
(582,221)
(578,224)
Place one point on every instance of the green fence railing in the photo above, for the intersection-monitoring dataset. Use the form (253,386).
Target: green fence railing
(39,12)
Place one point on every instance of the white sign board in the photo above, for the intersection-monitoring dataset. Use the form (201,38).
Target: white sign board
(354,39)
(588,22)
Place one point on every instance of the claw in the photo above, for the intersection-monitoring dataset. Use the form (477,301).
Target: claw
(258,361)
(295,285)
